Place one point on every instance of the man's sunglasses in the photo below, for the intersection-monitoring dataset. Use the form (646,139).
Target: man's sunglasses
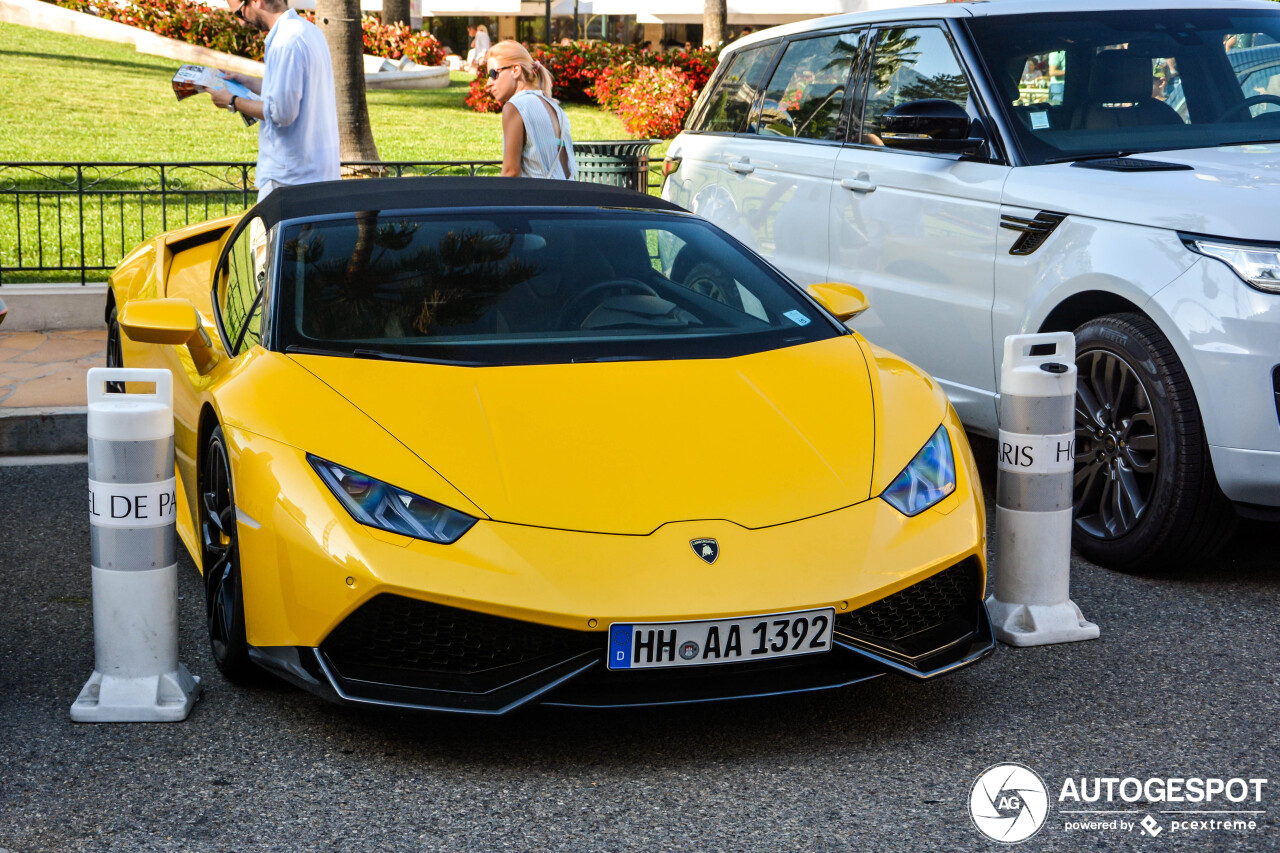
(494,72)
(239,12)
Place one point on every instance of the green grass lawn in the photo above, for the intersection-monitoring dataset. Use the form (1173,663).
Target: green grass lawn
(71,99)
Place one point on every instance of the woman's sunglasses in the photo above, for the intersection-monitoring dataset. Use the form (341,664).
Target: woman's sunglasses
(494,72)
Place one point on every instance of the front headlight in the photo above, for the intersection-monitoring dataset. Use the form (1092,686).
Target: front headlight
(929,478)
(382,505)
(1259,266)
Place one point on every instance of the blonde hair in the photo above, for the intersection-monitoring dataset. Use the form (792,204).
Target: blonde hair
(510,52)
(481,28)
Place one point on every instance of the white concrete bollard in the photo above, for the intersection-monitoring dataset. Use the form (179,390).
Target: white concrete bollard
(132,493)
(1031,604)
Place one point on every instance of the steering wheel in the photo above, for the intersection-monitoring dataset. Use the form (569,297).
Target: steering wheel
(568,314)
(704,276)
(1249,102)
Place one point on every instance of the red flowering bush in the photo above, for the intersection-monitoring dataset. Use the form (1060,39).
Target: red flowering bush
(394,41)
(197,23)
(697,65)
(192,22)
(479,98)
(655,102)
(611,84)
(652,92)
(574,66)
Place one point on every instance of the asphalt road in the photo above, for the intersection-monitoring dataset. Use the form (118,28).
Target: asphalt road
(1183,683)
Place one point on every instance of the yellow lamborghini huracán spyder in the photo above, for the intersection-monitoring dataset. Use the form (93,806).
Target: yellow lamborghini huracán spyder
(470,444)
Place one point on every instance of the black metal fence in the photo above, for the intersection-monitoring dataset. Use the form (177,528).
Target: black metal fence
(66,221)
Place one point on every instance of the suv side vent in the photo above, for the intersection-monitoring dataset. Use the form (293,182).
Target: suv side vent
(1275,384)
(1034,231)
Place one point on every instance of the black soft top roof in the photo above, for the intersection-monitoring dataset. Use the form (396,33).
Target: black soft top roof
(350,196)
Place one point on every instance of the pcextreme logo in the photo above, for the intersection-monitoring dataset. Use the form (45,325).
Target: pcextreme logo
(1009,803)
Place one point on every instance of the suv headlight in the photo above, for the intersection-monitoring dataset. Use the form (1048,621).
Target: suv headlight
(1259,266)
(382,505)
(929,478)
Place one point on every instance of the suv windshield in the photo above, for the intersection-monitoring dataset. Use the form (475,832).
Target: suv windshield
(1076,85)
(486,287)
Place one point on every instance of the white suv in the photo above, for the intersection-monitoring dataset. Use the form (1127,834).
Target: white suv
(986,169)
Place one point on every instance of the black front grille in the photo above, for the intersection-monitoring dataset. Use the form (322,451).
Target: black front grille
(403,641)
(923,618)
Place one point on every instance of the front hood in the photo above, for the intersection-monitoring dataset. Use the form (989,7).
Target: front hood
(1228,192)
(625,447)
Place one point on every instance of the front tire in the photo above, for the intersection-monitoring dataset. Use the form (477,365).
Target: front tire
(115,350)
(1146,498)
(224,592)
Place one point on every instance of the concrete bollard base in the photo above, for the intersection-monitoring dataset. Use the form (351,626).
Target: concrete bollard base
(165,698)
(1039,624)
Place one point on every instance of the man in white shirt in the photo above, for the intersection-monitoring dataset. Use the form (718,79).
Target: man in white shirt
(298,114)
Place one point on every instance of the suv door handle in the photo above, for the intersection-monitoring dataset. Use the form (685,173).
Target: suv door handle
(861,184)
(742,167)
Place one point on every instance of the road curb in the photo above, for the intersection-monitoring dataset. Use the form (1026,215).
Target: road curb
(54,307)
(41,432)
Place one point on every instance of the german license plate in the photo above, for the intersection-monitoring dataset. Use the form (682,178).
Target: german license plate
(649,645)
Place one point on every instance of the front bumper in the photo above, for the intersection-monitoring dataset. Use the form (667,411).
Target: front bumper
(404,653)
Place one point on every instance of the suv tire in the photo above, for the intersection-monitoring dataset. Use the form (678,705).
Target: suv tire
(1146,498)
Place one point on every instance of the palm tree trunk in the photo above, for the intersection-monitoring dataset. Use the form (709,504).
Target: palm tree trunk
(395,11)
(339,20)
(713,15)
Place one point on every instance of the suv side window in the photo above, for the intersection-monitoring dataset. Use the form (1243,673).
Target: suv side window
(910,64)
(240,281)
(805,97)
(735,92)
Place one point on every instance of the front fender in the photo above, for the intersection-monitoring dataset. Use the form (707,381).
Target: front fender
(1083,255)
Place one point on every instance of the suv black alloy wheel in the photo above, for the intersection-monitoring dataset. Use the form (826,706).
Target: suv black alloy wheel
(1146,498)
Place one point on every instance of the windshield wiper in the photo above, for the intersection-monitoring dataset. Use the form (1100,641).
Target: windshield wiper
(1249,142)
(413,359)
(294,349)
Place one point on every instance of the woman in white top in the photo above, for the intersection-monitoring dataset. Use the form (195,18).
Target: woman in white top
(535,131)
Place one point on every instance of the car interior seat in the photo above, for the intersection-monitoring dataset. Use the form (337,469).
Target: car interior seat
(1120,84)
(1007,88)
(572,259)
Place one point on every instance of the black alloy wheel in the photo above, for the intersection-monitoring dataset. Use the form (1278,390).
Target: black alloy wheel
(1145,496)
(224,594)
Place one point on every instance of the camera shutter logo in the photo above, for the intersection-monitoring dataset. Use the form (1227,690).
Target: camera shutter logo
(1008,803)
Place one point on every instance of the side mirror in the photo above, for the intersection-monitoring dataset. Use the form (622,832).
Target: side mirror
(843,300)
(174,322)
(932,124)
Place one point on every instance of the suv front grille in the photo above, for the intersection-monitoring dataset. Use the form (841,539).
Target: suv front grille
(920,619)
(398,640)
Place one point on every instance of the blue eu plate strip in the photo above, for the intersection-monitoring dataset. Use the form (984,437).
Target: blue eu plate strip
(620,647)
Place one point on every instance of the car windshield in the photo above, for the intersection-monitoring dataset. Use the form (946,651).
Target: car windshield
(1084,84)
(487,287)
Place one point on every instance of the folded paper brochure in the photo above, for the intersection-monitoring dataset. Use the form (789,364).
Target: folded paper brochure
(194,79)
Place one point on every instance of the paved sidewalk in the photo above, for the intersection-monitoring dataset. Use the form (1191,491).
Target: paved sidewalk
(42,389)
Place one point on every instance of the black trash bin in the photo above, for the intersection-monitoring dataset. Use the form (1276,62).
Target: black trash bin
(617,162)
